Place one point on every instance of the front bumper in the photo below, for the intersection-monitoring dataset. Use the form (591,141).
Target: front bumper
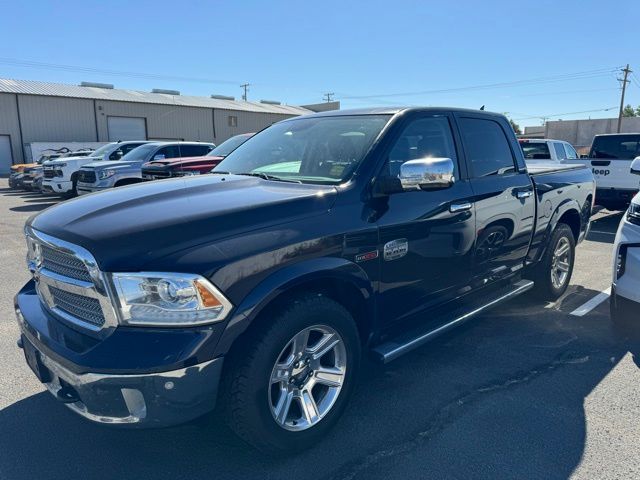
(98,186)
(127,378)
(56,186)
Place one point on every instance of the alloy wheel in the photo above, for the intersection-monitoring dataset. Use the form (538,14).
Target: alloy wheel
(307,378)
(561,263)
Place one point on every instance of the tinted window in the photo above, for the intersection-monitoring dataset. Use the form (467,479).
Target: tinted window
(194,150)
(423,138)
(140,153)
(614,147)
(486,147)
(170,151)
(535,150)
(559,148)
(570,151)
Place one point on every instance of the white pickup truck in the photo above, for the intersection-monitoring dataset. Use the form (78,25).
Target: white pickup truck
(60,175)
(547,150)
(610,160)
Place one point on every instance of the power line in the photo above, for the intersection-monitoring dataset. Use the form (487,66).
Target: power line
(119,73)
(566,113)
(533,81)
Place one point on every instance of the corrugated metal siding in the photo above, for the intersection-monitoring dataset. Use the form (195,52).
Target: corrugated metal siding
(163,121)
(73,91)
(247,122)
(9,124)
(55,119)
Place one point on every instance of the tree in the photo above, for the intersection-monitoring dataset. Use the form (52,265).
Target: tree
(638,111)
(628,111)
(515,126)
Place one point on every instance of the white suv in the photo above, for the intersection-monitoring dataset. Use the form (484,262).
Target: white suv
(60,175)
(625,290)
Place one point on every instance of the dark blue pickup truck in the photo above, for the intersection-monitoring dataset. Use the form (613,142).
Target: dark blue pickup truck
(258,287)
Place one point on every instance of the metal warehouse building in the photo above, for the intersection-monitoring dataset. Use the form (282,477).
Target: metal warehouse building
(33,111)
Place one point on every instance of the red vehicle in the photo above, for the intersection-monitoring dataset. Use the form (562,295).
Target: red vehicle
(179,167)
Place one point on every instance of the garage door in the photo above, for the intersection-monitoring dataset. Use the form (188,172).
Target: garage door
(126,128)
(6,159)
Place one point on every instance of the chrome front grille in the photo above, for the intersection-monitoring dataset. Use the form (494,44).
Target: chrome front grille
(64,264)
(69,284)
(81,307)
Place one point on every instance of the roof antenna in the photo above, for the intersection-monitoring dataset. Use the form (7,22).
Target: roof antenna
(482,107)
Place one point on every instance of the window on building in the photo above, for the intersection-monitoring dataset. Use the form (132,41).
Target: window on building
(486,147)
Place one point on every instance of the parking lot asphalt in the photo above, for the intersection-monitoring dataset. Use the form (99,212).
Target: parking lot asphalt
(525,391)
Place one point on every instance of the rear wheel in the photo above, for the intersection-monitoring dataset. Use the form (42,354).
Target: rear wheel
(291,384)
(553,272)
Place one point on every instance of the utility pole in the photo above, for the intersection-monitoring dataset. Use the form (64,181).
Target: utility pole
(327,96)
(624,81)
(246,89)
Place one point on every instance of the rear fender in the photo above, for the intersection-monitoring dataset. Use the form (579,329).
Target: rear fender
(287,278)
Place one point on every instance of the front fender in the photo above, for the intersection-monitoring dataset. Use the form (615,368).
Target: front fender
(287,278)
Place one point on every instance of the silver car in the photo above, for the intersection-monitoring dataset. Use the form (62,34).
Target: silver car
(97,176)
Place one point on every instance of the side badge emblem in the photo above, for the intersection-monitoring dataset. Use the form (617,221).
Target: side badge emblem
(395,249)
(363,257)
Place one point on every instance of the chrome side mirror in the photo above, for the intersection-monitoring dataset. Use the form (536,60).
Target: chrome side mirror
(427,174)
(635,166)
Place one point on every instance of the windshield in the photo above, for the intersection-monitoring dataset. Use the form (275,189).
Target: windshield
(616,147)
(535,150)
(309,150)
(102,150)
(228,146)
(139,153)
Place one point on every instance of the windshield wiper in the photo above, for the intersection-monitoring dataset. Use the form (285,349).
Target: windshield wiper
(266,176)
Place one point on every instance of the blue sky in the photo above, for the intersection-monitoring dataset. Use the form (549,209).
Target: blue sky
(295,51)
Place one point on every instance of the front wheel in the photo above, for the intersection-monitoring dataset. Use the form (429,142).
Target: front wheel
(553,273)
(292,381)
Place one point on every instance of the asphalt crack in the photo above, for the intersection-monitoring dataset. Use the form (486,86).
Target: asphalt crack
(449,412)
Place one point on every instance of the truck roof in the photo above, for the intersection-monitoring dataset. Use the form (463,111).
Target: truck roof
(396,110)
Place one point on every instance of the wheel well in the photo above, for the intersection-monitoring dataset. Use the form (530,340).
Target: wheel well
(503,222)
(341,291)
(572,219)
(127,181)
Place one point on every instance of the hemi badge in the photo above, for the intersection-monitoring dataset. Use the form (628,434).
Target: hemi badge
(363,257)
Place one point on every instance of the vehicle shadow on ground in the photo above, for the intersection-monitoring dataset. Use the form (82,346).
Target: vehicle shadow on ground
(500,397)
(36,207)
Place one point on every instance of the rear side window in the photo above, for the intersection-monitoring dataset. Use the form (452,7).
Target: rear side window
(194,150)
(170,151)
(616,147)
(487,147)
(559,148)
(571,152)
(535,150)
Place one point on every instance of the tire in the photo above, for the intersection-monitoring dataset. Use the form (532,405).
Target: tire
(253,396)
(546,286)
(74,188)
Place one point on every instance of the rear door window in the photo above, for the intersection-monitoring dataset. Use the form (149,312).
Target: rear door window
(194,150)
(170,151)
(570,151)
(616,147)
(486,147)
(560,153)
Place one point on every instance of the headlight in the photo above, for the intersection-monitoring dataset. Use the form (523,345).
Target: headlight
(168,299)
(106,174)
(633,214)
(187,173)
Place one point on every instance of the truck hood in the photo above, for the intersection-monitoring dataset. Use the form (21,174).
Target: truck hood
(128,227)
(110,164)
(58,161)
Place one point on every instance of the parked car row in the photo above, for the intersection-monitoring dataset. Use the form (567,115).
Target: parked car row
(120,163)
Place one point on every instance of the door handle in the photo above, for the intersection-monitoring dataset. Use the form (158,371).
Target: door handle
(460,207)
(524,193)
